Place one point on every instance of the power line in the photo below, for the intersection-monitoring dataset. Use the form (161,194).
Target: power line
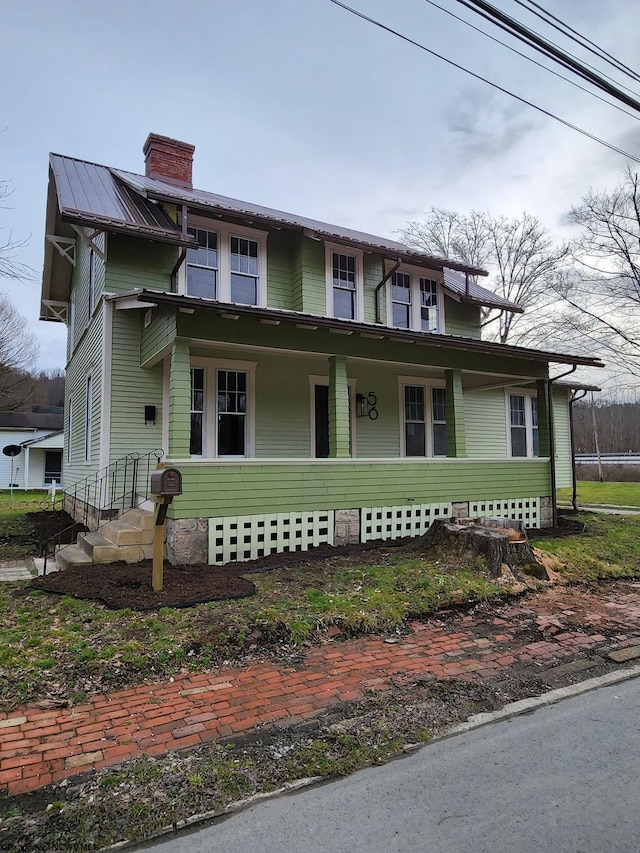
(531,59)
(574,35)
(566,123)
(515,28)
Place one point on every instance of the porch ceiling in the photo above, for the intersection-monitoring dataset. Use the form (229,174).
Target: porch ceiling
(295,319)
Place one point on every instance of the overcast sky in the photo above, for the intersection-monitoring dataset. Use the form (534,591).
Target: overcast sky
(298,105)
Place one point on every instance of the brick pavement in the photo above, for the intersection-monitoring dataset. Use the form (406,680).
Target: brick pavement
(40,746)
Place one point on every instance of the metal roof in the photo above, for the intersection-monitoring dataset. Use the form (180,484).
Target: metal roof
(470,291)
(31,420)
(316,321)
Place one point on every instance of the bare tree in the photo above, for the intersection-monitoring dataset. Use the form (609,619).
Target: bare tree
(602,296)
(521,257)
(10,267)
(18,353)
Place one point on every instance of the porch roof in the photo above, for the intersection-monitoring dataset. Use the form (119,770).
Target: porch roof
(190,303)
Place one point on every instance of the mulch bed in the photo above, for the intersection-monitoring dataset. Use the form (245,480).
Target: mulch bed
(56,525)
(128,585)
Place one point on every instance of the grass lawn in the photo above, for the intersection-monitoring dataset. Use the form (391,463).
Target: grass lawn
(13,525)
(593,493)
(65,649)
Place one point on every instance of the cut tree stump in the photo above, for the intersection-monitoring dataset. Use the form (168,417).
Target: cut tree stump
(501,542)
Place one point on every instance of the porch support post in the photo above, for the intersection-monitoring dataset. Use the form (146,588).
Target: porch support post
(179,413)
(543,417)
(456,438)
(338,408)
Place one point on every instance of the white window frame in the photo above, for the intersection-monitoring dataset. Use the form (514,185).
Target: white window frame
(92,283)
(358,254)
(88,417)
(415,274)
(210,432)
(528,395)
(427,384)
(225,232)
(324,380)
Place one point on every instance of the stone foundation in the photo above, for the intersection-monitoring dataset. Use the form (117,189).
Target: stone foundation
(347,527)
(187,541)
(460,509)
(546,512)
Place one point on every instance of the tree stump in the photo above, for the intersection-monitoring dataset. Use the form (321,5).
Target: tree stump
(498,545)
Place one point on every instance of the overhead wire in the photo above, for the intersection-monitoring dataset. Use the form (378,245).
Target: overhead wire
(531,59)
(522,100)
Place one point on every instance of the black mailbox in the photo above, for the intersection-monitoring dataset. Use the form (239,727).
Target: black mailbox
(167,482)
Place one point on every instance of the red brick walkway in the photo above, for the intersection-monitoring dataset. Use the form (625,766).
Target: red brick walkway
(40,746)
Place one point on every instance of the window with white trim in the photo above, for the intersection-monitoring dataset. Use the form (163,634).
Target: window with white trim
(69,428)
(92,282)
(228,265)
(222,423)
(87,422)
(345,283)
(523,425)
(424,418)
(413,301)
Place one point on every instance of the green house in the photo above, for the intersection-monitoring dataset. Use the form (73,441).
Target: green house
(313,384)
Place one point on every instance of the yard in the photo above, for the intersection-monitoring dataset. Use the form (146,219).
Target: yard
(593,493)
(59,649)
(15,532)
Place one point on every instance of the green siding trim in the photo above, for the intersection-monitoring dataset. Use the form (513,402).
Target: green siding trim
(461,319)
(280,252)
(179,399)
(562,431)
(456,439)
(486,423)
(338,409)
(155,338)
(314,278)
(139,263)
(250,332)
(211,490)
(373,274)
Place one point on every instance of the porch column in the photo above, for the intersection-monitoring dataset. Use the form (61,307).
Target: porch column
(456,438)
(179,413)
(543,418)
(338,408)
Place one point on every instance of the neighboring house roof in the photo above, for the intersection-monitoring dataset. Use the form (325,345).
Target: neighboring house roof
(157,297)
(88,194)
(31,420)
(47,439)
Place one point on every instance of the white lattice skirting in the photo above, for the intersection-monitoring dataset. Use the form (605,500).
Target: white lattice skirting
(247,537)
(526,510)
(394,522)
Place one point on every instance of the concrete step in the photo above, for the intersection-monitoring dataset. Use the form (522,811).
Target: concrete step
(72,555)
(138,518)
(98,547)
(121,533)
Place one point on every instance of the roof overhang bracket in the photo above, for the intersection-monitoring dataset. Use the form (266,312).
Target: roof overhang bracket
(66,246)
(57,310)
(89,240)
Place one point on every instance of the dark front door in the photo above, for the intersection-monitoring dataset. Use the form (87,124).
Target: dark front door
(52,466)
(322,420)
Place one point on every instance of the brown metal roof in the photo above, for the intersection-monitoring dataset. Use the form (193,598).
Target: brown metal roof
(31,420)
(444,341)
(470,291)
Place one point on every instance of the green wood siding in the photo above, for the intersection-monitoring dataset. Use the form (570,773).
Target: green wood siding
(160,334)
(486,425)
(80,288)
(132,387)
(139,263)
(280,254)
(461,319)
(379,438)
(562,437)
(237,489)
(373,273)
(314,279)
(456,439)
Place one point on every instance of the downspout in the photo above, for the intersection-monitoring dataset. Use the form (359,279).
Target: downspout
(183,253)
(379,287)
(574,481)
(552,448)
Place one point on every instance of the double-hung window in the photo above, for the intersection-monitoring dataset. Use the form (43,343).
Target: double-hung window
(344,277)
(196,442)
(244,270)
(87,422)
(221,409)
(202,264)
(424,420)
(523,425)
(413,301)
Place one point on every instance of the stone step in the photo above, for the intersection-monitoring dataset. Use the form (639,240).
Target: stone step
(98,547)
(141,518)
(121,533)
(72,555)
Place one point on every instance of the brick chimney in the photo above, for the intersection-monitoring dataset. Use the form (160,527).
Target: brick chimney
(168,160)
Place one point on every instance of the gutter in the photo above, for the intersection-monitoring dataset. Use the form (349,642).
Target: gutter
(552,443)
(379,287)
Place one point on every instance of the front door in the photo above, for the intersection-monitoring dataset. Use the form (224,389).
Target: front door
(321,410)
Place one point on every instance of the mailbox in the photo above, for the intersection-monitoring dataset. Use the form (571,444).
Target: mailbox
(166,482)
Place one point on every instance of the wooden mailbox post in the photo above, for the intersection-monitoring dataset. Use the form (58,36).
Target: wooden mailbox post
(166,483)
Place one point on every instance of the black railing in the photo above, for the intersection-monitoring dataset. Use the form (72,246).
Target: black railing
(111,491)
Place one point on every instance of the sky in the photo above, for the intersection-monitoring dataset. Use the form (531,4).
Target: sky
(299,105)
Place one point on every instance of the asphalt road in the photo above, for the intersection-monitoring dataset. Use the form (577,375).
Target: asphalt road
(565,778)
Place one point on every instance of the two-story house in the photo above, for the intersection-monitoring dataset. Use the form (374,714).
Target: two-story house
(312,383)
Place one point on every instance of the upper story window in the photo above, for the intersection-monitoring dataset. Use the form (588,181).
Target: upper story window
(424,420)
(229,264)
(202,264)
(414,302)
(92,282)
(344,283)
(523,425)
